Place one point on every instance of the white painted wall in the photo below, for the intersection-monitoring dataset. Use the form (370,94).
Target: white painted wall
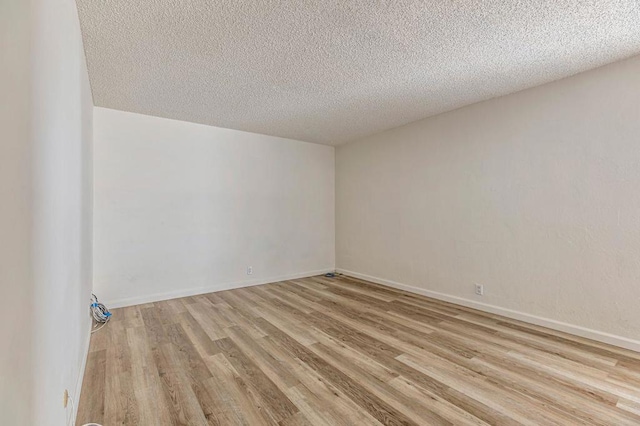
(536,195)
(61,123)
(62,111)
(183,208)
(15,222)
(45,210)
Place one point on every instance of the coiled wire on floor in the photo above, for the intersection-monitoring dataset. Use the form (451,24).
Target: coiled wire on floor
(100,313)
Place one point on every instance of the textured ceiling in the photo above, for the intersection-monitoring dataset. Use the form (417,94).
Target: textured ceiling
(331,71)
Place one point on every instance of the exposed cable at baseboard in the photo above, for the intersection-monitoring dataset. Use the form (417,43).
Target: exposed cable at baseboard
(100,313)
(73,412)
(101,316)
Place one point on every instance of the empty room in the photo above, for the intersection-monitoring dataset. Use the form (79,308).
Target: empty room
(355,212)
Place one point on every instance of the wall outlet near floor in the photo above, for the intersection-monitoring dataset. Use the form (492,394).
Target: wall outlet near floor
(249,270)
(479,289)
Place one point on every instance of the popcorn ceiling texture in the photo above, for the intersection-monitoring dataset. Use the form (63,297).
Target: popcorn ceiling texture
(333,71)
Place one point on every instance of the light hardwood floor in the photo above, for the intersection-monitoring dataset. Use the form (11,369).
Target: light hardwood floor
(320,351)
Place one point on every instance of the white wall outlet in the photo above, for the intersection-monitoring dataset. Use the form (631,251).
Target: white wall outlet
(479,289)
(249,270)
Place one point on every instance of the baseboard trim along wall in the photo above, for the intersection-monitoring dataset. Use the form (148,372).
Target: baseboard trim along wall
(120,303)
(576,330)
(83,365)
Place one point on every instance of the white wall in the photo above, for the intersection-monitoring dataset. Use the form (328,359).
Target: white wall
(15,222)
(45,213)
(61,125)
(536,195)
(183,208)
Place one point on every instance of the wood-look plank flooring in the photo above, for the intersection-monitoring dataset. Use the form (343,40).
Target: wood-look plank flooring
(322,351)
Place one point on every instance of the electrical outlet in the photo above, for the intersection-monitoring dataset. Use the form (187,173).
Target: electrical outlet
(249,270)
(479,289)
(65,398)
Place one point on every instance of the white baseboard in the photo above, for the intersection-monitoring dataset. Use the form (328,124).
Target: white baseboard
(83,365)
(148,298)
(576,330)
